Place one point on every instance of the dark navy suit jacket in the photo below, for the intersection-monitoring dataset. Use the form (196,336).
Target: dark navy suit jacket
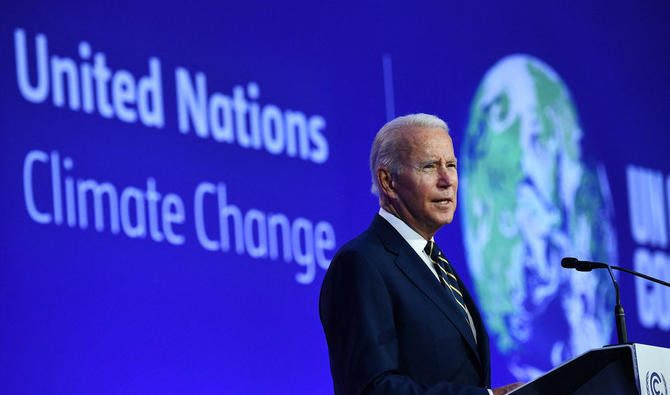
(392,327)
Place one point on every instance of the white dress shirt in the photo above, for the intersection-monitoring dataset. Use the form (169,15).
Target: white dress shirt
(415,240)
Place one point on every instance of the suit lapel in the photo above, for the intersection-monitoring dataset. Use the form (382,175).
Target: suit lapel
(417,272)
(483,341)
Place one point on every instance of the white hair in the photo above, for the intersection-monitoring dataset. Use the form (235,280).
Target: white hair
(386,146)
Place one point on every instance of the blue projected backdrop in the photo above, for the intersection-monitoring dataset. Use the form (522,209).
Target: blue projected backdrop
(176,179)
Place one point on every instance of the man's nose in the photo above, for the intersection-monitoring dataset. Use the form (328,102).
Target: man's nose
(446,176)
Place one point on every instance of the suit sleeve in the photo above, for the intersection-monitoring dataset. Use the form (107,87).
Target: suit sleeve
(356,311)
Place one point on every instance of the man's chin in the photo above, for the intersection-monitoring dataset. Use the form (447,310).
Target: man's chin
(444,219)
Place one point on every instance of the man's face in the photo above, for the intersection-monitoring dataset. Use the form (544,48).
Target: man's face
(424,192)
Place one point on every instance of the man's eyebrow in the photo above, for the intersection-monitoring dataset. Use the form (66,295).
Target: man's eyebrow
(428,162)
(437,160)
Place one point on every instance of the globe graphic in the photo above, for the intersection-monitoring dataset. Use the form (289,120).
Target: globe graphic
(529,198)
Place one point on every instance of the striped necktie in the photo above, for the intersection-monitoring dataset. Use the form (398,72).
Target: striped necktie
(447,276)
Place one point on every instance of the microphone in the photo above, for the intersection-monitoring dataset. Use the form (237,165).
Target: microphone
(569,262)
(619,316)
(587,266)
(583,266)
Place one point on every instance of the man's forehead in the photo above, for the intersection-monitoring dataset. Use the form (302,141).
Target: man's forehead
(433,142)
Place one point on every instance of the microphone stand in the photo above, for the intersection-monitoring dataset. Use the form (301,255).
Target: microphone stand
(644,276)
(619,315)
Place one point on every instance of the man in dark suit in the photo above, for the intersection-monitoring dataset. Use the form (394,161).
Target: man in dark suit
(396,316)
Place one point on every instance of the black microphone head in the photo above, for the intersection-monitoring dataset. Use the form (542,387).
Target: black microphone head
(569,262)
(584,266)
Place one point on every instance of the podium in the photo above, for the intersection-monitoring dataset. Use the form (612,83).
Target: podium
(620,369)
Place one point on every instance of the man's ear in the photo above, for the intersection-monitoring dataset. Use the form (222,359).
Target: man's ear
(385,181)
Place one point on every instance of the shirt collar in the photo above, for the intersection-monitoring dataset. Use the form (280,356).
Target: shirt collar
(415,240)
